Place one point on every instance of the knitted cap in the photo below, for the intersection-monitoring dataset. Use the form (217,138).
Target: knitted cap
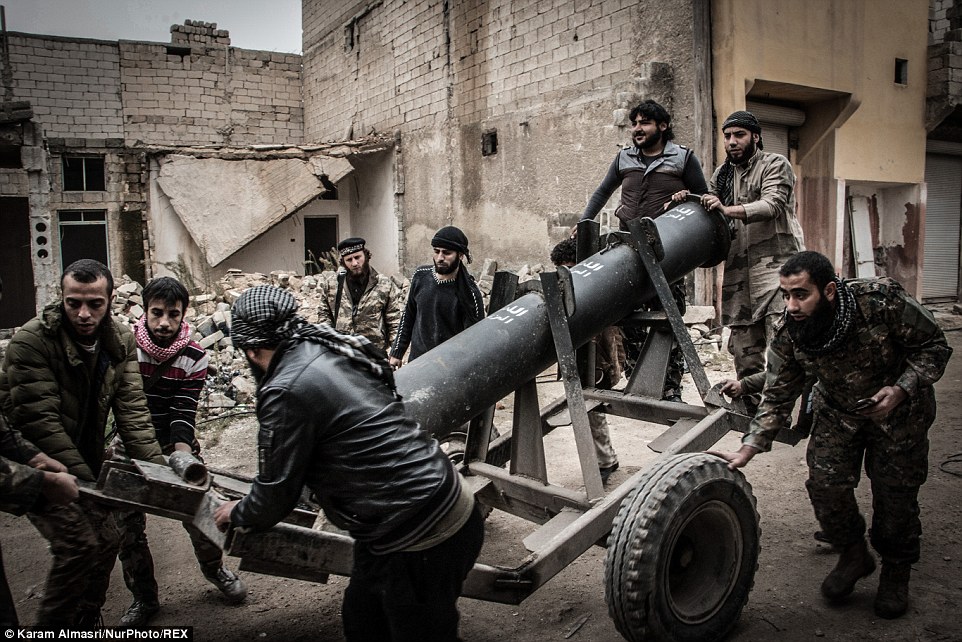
(451,238)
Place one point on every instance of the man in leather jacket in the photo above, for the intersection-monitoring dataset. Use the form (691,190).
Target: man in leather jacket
(330,419)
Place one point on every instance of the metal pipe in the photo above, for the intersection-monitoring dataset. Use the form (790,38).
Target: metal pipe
(189,468)
(447,386)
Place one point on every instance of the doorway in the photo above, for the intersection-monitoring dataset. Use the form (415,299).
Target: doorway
(320,237)
(16,267)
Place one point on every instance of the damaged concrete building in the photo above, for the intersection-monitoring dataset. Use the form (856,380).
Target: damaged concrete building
(498,117)
(185,157)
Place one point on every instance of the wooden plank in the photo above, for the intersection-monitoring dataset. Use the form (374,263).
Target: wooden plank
(863,252)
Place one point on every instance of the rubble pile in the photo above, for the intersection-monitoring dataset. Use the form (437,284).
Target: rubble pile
(230,387)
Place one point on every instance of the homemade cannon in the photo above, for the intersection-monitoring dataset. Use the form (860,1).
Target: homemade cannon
(682,533)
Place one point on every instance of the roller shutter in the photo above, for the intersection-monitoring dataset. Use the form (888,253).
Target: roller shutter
(940,275)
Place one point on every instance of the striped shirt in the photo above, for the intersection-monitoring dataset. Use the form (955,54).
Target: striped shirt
(173,398)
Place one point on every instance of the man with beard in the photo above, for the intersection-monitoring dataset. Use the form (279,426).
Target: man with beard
(443,298)
(174,368)
(369,306)
(63,373)
(650,172)
(876,353)
(331,419)
(755,190)
(609,364)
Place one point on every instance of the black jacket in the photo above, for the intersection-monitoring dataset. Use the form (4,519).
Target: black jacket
(340,431)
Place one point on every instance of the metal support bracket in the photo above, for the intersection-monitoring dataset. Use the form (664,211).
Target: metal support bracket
(572,383)
(648,243)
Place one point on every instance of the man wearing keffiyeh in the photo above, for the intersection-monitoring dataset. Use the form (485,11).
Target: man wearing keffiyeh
(876,353)
(174,369)
(755,190)
(331,419)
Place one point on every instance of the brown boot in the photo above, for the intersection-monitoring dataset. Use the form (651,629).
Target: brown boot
(854,563)
(892,599)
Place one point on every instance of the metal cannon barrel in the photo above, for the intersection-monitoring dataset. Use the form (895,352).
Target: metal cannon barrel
(452,383)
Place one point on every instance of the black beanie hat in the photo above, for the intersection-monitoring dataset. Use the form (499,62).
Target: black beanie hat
(350,246)
(451,238)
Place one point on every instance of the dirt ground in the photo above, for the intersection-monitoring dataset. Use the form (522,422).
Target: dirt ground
(784,604)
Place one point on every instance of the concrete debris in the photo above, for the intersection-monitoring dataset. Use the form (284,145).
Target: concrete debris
(230,387)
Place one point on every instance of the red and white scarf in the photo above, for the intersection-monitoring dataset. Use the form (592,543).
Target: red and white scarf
(146,342)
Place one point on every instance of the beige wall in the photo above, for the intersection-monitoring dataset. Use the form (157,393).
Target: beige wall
(835,60)
(847,47)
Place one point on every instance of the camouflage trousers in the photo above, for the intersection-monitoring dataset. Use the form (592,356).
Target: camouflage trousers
(602,438)
(138,563)
(895,454)
(748,345)
(83,539)
(635,336)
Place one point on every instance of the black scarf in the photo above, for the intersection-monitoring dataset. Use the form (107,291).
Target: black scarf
(835,335)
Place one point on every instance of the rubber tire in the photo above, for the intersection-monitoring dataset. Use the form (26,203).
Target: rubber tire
(452,445)
(683,552)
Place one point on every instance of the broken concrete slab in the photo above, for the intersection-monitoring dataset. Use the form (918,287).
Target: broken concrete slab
(252,195)
(699,314)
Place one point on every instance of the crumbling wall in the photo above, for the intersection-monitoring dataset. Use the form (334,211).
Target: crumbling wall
(98,98)
(944,16)
(552,82)
(195,90)
(72,84)
(199,90)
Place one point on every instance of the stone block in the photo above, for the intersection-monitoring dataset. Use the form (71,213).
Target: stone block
(489,268)
(219,400)
(221,320)
(211,339)
(699,314)
(205,326)
(244,390)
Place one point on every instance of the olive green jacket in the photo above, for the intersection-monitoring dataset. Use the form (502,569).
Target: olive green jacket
(44,389)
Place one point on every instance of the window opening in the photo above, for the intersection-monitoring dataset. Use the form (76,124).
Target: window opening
(83,174)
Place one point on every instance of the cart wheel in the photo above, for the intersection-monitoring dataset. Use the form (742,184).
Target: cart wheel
(683,552)
(452,445)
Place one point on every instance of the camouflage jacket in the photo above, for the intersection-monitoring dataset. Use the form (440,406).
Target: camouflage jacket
(609,357)
(374,317)
(894,341)
(20,485)
(768,236)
